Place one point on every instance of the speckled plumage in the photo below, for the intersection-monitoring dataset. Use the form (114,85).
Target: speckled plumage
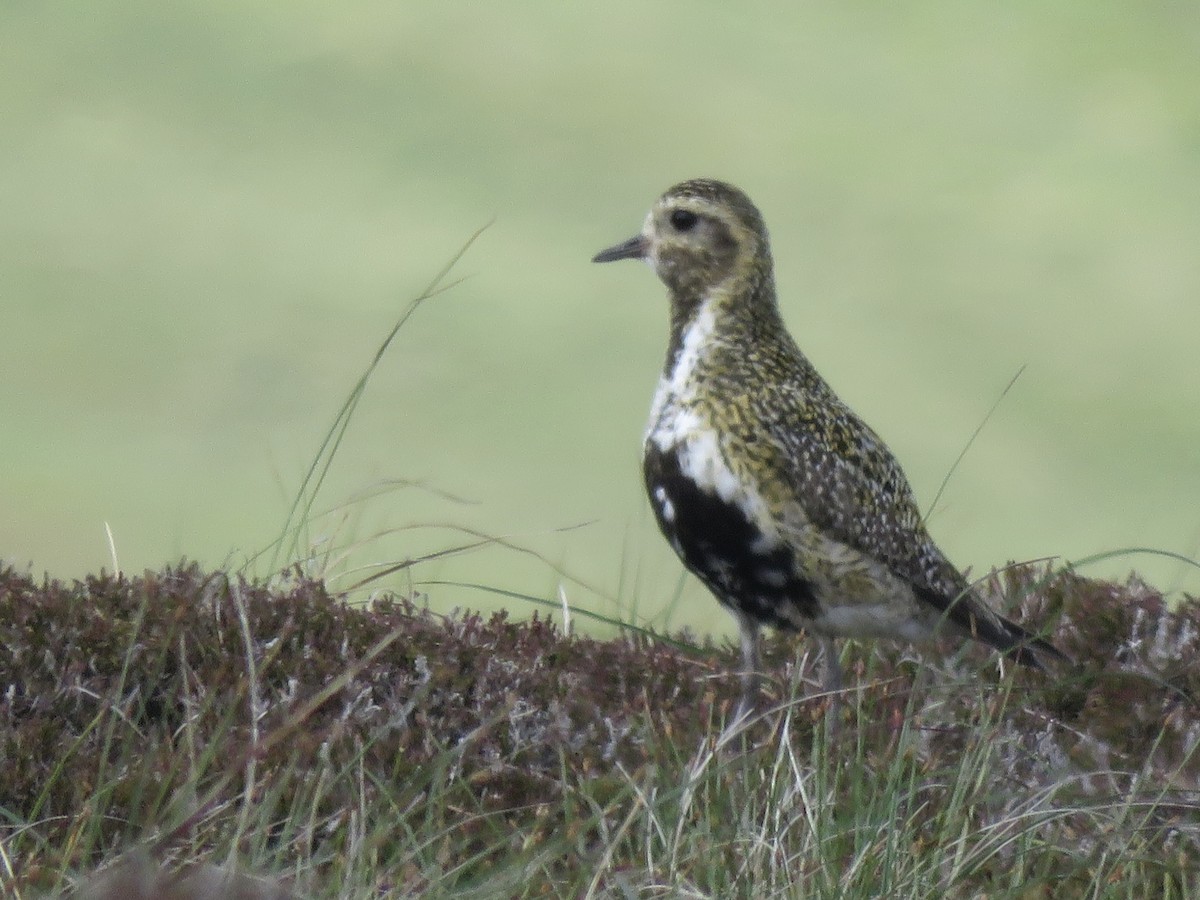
(771,490)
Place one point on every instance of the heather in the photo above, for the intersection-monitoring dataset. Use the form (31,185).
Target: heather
(188,724)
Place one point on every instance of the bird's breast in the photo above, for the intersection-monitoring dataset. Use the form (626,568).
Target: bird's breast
(722,530)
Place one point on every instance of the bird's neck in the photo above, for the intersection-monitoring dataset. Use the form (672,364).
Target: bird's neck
(729,321)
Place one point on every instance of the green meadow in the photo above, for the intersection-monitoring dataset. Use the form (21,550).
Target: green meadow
(211,214)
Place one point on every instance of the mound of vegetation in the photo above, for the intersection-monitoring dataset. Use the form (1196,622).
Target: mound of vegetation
(199,724)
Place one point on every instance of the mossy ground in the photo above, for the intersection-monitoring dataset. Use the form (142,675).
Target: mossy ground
(190,720)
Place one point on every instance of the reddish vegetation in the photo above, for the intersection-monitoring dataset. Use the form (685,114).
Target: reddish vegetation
(511,716)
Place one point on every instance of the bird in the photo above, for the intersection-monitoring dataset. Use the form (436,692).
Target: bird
(789,508)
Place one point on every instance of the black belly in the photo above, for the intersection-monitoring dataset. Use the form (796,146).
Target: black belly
(715,540)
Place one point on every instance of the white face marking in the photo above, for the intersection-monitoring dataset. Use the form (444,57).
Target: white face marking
(651,257)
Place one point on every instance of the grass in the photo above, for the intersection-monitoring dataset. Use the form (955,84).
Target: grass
(189,724)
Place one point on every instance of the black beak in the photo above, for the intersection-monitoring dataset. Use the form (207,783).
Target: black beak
(634,248)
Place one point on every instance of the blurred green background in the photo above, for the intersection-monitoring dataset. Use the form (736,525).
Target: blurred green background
(211,213)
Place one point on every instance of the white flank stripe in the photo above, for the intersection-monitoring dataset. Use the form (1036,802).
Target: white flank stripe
(673,427)
(674,385)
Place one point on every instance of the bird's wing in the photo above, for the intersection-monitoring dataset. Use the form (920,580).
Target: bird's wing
(850,486)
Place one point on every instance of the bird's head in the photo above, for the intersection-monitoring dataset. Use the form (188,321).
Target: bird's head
(701,235)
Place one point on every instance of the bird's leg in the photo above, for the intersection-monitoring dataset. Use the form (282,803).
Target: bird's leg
(748,633)
(831,668)
(831,681)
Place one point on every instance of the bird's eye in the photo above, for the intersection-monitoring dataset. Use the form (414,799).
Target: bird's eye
(683,220)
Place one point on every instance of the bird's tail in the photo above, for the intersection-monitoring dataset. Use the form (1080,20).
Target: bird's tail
(1026,648)
(989,627)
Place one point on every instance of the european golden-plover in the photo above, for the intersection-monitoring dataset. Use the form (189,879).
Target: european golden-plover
(786,505)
